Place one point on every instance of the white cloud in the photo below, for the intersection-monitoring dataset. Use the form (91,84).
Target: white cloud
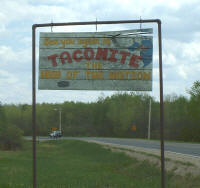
(182,72)
(11,90)
(169,59)
(180,31)
(7,54)
(2,28)
(7,78)
(13,60)
(181,52)
(191,51)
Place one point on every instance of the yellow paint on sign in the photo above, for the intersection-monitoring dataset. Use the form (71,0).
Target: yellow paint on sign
(50,74)
(72,75)
(94,75)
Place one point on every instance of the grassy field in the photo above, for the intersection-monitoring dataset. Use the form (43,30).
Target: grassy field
(76,164)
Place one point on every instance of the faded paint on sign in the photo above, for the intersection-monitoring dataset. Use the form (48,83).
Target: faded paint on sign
(120,60)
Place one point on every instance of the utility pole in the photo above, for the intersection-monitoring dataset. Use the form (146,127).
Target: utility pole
(60,118)
(149,123)
(60,114)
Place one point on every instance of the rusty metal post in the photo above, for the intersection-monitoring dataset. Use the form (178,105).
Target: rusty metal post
(33,106)
(161,108)
(95,23)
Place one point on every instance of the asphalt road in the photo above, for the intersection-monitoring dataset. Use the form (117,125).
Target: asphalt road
(183,148)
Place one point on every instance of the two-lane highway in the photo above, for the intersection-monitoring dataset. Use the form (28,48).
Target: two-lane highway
(182,148)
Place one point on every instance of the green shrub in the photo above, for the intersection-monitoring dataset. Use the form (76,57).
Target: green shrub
(11,137)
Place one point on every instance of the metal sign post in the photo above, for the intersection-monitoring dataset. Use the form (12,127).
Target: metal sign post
(149,122)
(35,26)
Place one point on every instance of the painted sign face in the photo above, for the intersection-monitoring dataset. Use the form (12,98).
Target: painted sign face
(118,60)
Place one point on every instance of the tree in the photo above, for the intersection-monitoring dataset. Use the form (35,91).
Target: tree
(176,116)
(195,90)
(2,116)
(194,113)
(11,138)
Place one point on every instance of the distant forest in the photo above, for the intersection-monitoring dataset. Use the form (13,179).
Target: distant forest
(113,116)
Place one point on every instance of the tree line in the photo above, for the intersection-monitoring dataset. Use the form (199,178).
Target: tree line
(112,116)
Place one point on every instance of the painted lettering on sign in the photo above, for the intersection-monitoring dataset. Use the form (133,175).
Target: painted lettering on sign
(89,54)
(95,75)
(62,43)
(84,42)
(104,60)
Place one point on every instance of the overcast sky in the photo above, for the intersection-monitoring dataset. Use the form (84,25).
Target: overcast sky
(180,35)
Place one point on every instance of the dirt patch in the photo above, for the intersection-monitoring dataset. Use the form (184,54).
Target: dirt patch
(179,164)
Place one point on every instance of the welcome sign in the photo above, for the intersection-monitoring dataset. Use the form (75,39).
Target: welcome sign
(117,60)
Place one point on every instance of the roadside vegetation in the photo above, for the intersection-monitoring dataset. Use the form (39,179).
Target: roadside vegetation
(114,116)
(11,137)
(77,164)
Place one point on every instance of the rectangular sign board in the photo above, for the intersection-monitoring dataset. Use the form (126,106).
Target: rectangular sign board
(114,60)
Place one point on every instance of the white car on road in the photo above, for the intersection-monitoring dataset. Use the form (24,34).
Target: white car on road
(55,134)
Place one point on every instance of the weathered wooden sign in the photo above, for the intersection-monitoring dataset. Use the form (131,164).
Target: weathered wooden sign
(118,60)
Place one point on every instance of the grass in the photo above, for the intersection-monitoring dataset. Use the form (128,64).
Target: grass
(77,164)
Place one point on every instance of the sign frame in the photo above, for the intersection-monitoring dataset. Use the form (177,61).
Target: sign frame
(35,26)
(109,60)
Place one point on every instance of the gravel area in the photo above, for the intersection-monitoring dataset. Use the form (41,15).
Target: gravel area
(177,163)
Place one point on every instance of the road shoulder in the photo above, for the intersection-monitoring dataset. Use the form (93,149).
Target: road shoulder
(177,163)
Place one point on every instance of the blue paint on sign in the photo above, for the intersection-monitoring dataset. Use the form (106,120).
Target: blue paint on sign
(146,50)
